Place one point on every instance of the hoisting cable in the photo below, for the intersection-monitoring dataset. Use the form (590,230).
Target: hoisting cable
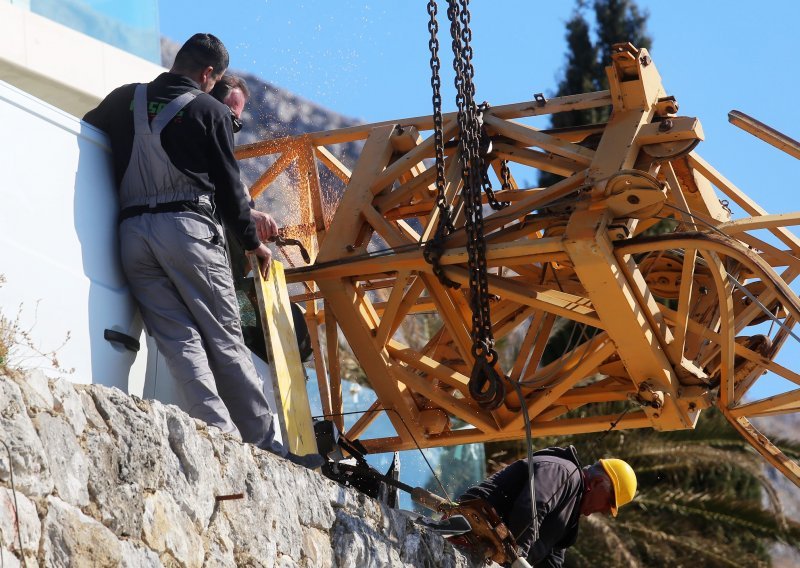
(523,403)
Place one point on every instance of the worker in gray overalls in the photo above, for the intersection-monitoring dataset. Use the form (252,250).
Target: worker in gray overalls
(172,147)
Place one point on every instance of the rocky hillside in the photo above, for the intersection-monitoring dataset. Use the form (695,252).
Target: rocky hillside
(102,479)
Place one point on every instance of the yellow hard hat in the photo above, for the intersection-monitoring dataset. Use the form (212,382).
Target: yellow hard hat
(624,480)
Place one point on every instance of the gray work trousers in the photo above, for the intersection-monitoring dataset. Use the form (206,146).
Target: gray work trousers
(179,274)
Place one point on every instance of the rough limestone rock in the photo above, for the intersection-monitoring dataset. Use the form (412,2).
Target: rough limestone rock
(105,479)
(27,457)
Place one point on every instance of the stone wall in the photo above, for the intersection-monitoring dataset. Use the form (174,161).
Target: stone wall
(104,479)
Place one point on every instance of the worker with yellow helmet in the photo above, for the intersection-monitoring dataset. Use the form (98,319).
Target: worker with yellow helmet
(564,491)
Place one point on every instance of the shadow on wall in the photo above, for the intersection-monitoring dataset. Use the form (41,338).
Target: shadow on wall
(110,306)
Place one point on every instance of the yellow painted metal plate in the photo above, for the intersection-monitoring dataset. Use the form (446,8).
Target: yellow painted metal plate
(288,378)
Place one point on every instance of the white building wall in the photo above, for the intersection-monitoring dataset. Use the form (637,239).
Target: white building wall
(61,66)
(58,244)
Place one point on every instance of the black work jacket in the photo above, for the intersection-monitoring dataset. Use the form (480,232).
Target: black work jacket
(558,481)
(198,141)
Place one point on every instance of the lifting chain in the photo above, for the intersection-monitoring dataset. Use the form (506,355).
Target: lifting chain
(505,181)
(485,147)
(435,247)
(485,385)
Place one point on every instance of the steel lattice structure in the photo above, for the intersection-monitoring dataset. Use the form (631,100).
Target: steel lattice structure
(676,318)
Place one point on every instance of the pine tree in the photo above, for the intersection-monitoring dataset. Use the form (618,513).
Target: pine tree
(580,74)
(616,21)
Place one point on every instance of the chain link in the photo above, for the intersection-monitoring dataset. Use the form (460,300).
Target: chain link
(435,247)
(485,148)
(505,175)
(485,384)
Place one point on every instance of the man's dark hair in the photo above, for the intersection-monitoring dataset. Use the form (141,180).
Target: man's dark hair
(227,84)
(201,51)
(597,470)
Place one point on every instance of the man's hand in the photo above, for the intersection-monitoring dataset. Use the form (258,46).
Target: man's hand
(264,258)
(266,227)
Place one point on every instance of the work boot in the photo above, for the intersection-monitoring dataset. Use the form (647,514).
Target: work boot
(310,461)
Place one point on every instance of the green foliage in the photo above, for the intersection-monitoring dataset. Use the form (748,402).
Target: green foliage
(616,21)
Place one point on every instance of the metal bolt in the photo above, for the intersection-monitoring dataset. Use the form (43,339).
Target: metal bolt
(665,125)
(633,199)
(645,60)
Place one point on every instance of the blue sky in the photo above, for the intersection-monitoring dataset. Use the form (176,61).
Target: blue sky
(369,60)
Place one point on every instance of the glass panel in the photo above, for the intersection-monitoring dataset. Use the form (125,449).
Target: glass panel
(131,25)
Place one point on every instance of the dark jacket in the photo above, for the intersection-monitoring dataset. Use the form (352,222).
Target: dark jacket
(198,141)
(558,484)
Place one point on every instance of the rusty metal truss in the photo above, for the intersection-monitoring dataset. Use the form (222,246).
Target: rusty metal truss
(671,324)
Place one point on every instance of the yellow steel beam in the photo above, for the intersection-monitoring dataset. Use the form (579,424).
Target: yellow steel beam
(767,449)
(625,317)
(460,408)
(436,369)
(370,264)
(276,169)
(562,427)
(349,307)
(741,199)
(778,404)
(351,133)
(598,350)
(760,222)
(411,158)
(765,133)
(365,420)
(349,217)
(532,137)
(334,367)
(554,301)
(544,161)
(333,164)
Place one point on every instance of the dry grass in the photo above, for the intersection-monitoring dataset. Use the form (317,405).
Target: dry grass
(6,335)
(19,350)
